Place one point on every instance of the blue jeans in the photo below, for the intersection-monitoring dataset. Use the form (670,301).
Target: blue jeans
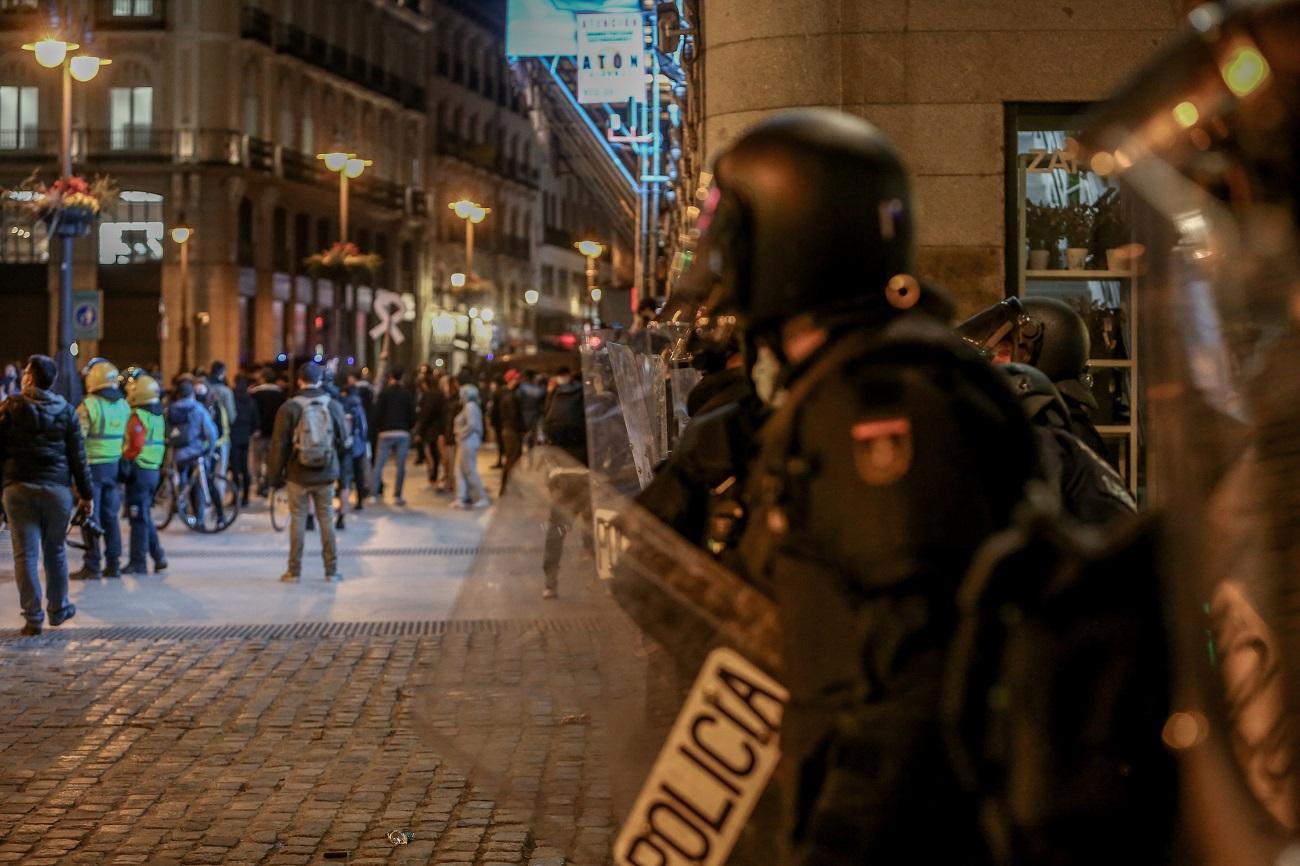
(397,443)
(38,525)
(107,494)
(139,499)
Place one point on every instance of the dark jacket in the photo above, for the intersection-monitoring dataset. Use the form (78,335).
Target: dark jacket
(395,409)
(40,442)
(718,389)
(247,420)
(269,399)
(509,409)
(532,397)
(282,463)
(565,423)
(428,424)
(447,424)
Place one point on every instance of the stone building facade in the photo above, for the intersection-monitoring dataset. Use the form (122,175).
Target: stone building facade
(937,77)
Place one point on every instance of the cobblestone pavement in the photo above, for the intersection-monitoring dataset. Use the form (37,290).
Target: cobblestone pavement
(491,731)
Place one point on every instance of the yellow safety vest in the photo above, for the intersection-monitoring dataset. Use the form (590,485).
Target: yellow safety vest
(106,429)
(155,439)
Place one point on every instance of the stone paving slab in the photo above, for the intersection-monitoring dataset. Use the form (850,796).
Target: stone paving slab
(281,751)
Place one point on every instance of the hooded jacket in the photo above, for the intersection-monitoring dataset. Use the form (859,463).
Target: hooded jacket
(40,442)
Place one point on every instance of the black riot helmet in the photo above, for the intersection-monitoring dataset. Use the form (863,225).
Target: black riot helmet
(1041,401)
(810,213)
(1004,332)
(1063,353)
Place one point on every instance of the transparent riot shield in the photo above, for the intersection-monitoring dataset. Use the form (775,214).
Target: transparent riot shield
(1205,146)
(572,729)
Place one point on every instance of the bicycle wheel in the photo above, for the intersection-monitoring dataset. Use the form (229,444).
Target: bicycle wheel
(230,494)
(164,501)
(278,503)
(202,504)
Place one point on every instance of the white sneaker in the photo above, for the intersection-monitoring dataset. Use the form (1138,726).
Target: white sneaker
(456,503)
(482,503)
(548,594)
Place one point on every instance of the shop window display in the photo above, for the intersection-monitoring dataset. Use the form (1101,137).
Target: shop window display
(1070,238)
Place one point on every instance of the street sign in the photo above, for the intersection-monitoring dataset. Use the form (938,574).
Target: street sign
(88,315)
(390,308)
(610,48)
(718,759)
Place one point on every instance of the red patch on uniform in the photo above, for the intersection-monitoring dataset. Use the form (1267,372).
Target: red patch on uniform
(882,449)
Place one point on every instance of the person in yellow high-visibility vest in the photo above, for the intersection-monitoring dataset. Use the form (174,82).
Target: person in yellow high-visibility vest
(103,416)
(143,453)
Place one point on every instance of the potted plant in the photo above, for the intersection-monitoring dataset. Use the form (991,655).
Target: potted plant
(1077,222)
(69,206)
(343,261)
(1112,233)
(1042,233)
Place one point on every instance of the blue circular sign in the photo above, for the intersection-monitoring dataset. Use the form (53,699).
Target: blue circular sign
(86,315)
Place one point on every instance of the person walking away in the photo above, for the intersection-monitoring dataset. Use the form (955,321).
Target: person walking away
(565,427)
(511,435)
(428,423)
(307,450)
(103,415)
(394,418)
(355,414)
(269,397)
(447,432)
(494,418)
(247,421)
(532,400)
(191,434)
(42,456)
(142,454)
(221,392)
(469,438)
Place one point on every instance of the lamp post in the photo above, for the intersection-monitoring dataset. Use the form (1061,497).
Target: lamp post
(181,234)
(472,213)
(348,166)
(54,53)
(531,297)
(592,250)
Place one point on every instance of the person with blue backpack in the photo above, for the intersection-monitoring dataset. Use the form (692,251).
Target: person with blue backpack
(354,411)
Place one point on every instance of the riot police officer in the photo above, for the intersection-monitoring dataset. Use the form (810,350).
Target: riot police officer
(1050,335)
(144,451)
(103,416)
(895,451)
(1091,491)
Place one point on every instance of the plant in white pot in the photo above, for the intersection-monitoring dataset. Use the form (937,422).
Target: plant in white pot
(1042,233)
(1112,233)
(1077,222)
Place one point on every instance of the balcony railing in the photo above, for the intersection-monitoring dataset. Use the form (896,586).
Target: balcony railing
(211,147)
(130,14)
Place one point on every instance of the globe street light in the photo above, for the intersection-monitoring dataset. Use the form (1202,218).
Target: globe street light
(54,53)
(348,167)
(592,250)
(472,213)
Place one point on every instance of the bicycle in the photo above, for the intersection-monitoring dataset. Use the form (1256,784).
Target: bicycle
(204,503)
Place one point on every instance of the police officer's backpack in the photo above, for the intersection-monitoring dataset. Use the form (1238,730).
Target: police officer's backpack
(1057,693)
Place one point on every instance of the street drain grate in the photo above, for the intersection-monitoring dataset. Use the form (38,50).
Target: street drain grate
(280,631)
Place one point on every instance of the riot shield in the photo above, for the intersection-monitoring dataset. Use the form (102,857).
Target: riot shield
(1205,144)
(573,729)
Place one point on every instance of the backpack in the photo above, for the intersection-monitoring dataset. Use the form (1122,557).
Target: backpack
(313,437)
(565,424)
(180,426)
(356,420)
